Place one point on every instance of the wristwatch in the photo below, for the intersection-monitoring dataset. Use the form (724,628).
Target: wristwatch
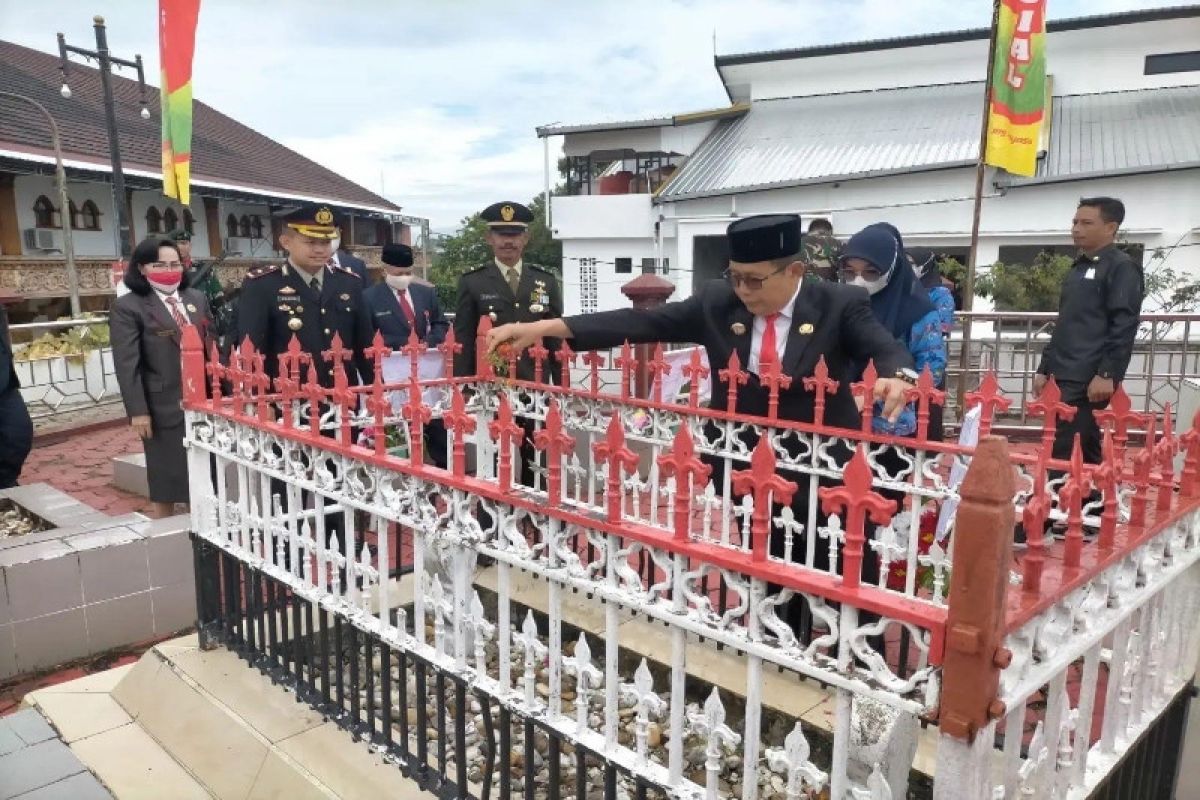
(907,375)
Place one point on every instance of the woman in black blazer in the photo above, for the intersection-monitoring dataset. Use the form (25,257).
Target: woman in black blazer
(146,328)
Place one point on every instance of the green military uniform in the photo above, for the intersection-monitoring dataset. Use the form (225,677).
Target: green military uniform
(821,251)
(488,291)
(202,276)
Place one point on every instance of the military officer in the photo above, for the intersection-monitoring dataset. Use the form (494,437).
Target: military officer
(307,298)
(507,290)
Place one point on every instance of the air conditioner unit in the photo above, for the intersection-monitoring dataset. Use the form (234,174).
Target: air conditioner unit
(41,239)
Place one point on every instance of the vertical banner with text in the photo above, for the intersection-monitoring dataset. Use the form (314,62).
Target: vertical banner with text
(1018,102)
(176,46)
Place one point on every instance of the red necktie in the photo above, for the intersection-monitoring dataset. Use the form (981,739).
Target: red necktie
(177,312)
(766,350)
(407,308)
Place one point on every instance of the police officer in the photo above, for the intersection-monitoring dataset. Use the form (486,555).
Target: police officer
(307,298)
(509,290)
(506,290)
(16,429)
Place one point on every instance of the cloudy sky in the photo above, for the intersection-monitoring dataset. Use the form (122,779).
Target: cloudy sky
(435,101)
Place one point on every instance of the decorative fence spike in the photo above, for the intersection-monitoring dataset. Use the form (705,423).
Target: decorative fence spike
(587,679)
(556,442)
(646,702)
(990,400)
(859,502)
(533,649)
(864,390)
(711,725)
(613,452)
(506,432)
(762,483)
(690,475)
(695,372)
(803,777)
(821,385)
(733,376)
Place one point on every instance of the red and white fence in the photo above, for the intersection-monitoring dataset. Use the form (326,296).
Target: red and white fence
(865,563)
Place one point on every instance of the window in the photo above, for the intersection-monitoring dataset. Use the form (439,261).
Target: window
(170,220)
(1164,63)
(231,226)
(43,213)
(73,210)
(647,266)
(1026,253)
(256,227)
(153,221)
(666,265)
(624,265)
(89,216)
(189,222)
(244,227)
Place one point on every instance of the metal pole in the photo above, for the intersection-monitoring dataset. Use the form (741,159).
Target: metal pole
(124,230)
(64,201)
(964,356)
(546,176)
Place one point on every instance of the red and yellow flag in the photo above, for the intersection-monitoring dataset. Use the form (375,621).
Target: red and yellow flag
(1018,102)
(176,45)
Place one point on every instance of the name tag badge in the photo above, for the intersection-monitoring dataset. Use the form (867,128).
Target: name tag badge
(382,313)
(1090,274)
(167,332)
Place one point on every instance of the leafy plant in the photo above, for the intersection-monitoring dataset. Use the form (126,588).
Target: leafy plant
(74,343)
(1021,287)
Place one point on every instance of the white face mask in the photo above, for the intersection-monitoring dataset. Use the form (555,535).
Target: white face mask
(872,287)
(399,282)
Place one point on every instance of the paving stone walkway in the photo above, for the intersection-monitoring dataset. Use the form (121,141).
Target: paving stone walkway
(81,466)
(35,764)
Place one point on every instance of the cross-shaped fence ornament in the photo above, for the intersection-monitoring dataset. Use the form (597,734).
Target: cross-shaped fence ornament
(1143,465)
(733,376)
(1190,441)
(762,482)
(856,497)
(658,368)
(711,725)
(337,355)
(594,361)
(865,391)
(378,403)
(773,378)
(926,394)
(791,527)
(793,760)
(483,364)
(482,632)
(990,400)
(553,439)
(646,702)
(449,348)
(313,393)
(1050,407)
(566,358)
(627,364)
(877,787)
(689,472)
(1117,419)
(538,353)
(291,363)
(694,372)
(612,451)
(1072,495)
(216,373)
(1165,452)
(533,649)
(587,679)
(461,423)
(1106,479)
(506,432)
(820,384)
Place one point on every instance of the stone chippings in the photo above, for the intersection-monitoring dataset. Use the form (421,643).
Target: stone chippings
(775,727)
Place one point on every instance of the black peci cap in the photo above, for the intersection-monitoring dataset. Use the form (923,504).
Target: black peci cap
(763,238)
(396,255)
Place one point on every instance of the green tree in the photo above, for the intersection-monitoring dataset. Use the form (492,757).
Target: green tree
(469,249)
(1022,287)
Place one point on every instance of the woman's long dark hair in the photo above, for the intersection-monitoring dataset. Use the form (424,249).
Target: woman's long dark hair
(145,253)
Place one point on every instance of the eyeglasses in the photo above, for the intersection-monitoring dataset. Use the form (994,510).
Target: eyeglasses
(166,264)
(751,282)
(869,274)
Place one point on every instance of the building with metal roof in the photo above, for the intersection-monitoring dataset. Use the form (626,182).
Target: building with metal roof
(889,130)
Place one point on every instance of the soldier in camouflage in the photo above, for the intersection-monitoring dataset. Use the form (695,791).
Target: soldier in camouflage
(821,249)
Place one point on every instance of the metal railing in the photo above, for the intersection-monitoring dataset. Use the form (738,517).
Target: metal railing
(492,635)
(1009,345)
(59,384)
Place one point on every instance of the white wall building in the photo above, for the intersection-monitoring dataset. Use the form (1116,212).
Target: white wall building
(889,130)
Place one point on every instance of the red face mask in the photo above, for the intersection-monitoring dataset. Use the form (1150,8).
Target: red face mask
(165,281)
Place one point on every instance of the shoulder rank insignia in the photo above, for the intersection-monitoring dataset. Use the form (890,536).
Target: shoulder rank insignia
(346,271)
(258,272)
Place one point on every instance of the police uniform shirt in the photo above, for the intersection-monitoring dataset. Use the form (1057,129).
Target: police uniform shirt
(1097,319)
(783,324)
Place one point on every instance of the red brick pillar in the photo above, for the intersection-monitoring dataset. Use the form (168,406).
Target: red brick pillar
(646,291)
(983,533)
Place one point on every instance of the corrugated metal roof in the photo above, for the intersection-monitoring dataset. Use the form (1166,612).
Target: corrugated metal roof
(816,139)
(803,140)
(1121,132)
(556,129)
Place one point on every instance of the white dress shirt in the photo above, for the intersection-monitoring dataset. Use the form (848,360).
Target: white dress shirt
(175,294)
(783,324)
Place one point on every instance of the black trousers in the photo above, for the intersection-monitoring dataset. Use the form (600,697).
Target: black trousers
(1084,425)
(16,437)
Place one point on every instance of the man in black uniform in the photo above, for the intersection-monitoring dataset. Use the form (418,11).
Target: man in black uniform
(1098,313)
(508,290)
(16,429)
(307,299)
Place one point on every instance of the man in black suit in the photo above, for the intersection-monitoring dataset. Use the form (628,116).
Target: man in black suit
(507,290)
(764,310)
(398,305)
(16,429)
(397,308)
(307,298)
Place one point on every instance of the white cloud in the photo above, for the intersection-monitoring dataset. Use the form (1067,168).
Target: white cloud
(442,98)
